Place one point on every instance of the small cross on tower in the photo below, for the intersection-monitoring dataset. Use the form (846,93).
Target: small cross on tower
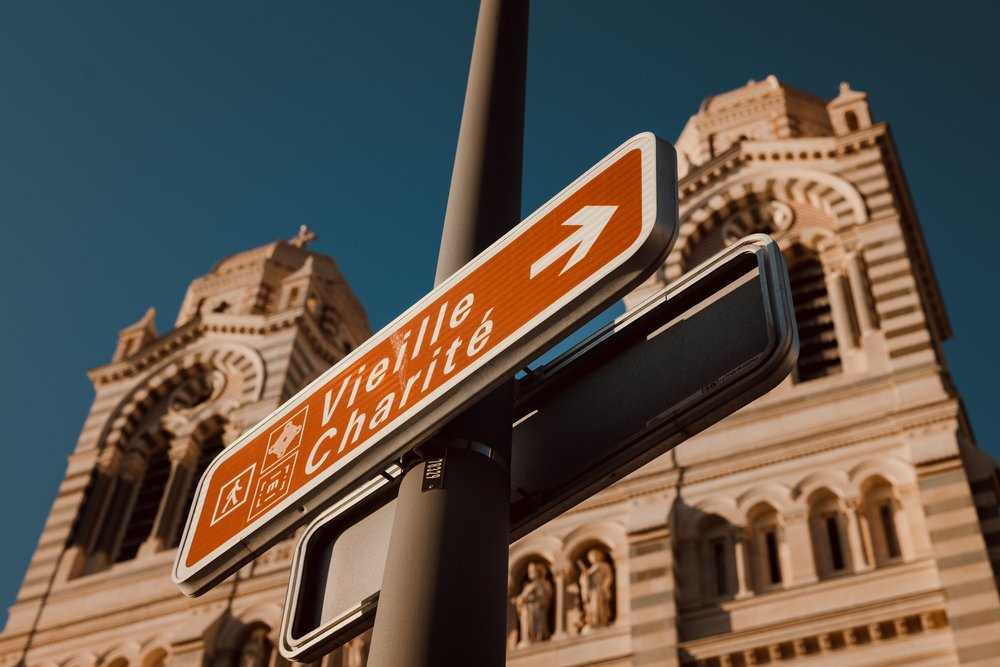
(303,238)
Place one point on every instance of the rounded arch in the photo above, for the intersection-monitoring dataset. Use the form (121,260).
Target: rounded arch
(776,495)
(876,485)
(239,362)
(536,547)
(610,534)
(895,471)
(233,629)
(827,192)
(123,654)
(157,655)
(689,519)
(834,480)
(824,498)
(156,652)
(763,507)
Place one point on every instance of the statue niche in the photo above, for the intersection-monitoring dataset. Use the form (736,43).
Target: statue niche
(596,590)
(533,604)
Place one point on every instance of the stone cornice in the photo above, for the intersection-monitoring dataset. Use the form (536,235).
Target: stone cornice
(164,600)
(149,355)
(658,479)
(194,329)
(825,390)
(791,150)
(703,175)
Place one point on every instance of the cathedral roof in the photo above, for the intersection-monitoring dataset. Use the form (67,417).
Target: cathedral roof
(758,111)
(269,278)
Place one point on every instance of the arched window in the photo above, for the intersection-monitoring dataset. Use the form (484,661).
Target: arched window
(139,523)
(818,354)
(157,658)
(881,511)
(851,120)
(716,554)
(145,477)
(829,535)
(766,538)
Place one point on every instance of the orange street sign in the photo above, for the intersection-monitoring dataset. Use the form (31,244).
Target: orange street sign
(576,255)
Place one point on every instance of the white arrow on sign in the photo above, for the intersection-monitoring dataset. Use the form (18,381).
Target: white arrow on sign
(591,221)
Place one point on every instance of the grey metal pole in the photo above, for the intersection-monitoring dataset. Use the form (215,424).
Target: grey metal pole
(444,592)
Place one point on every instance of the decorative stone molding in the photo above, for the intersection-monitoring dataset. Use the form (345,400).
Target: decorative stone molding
(820,189)
(109,461)
(771,217)
(827,642)
(133,465)
(184,452)
(122,655)
(161,383)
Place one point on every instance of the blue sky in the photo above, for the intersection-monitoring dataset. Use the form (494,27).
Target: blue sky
(141,142)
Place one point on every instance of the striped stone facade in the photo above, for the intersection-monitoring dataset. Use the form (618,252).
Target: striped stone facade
(253,331)
(847,517)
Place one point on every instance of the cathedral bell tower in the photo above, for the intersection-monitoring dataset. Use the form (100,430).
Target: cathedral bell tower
(253,331)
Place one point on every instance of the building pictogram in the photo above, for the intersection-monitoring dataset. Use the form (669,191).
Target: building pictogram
(272,486)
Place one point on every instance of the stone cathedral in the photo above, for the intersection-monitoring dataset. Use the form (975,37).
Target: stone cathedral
(846,518)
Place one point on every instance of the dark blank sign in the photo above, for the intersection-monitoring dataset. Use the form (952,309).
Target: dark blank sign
(705,346)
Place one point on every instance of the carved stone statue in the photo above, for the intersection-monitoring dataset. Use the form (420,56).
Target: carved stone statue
(597,580)
(532,605)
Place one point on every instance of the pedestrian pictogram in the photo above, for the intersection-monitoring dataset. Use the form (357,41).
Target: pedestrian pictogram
(233,494)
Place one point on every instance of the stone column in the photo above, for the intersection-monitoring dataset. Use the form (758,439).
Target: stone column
(839,311)
(559,573)
(860,553)
(740,551)
(183,455)
(859,292)
(130,475)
